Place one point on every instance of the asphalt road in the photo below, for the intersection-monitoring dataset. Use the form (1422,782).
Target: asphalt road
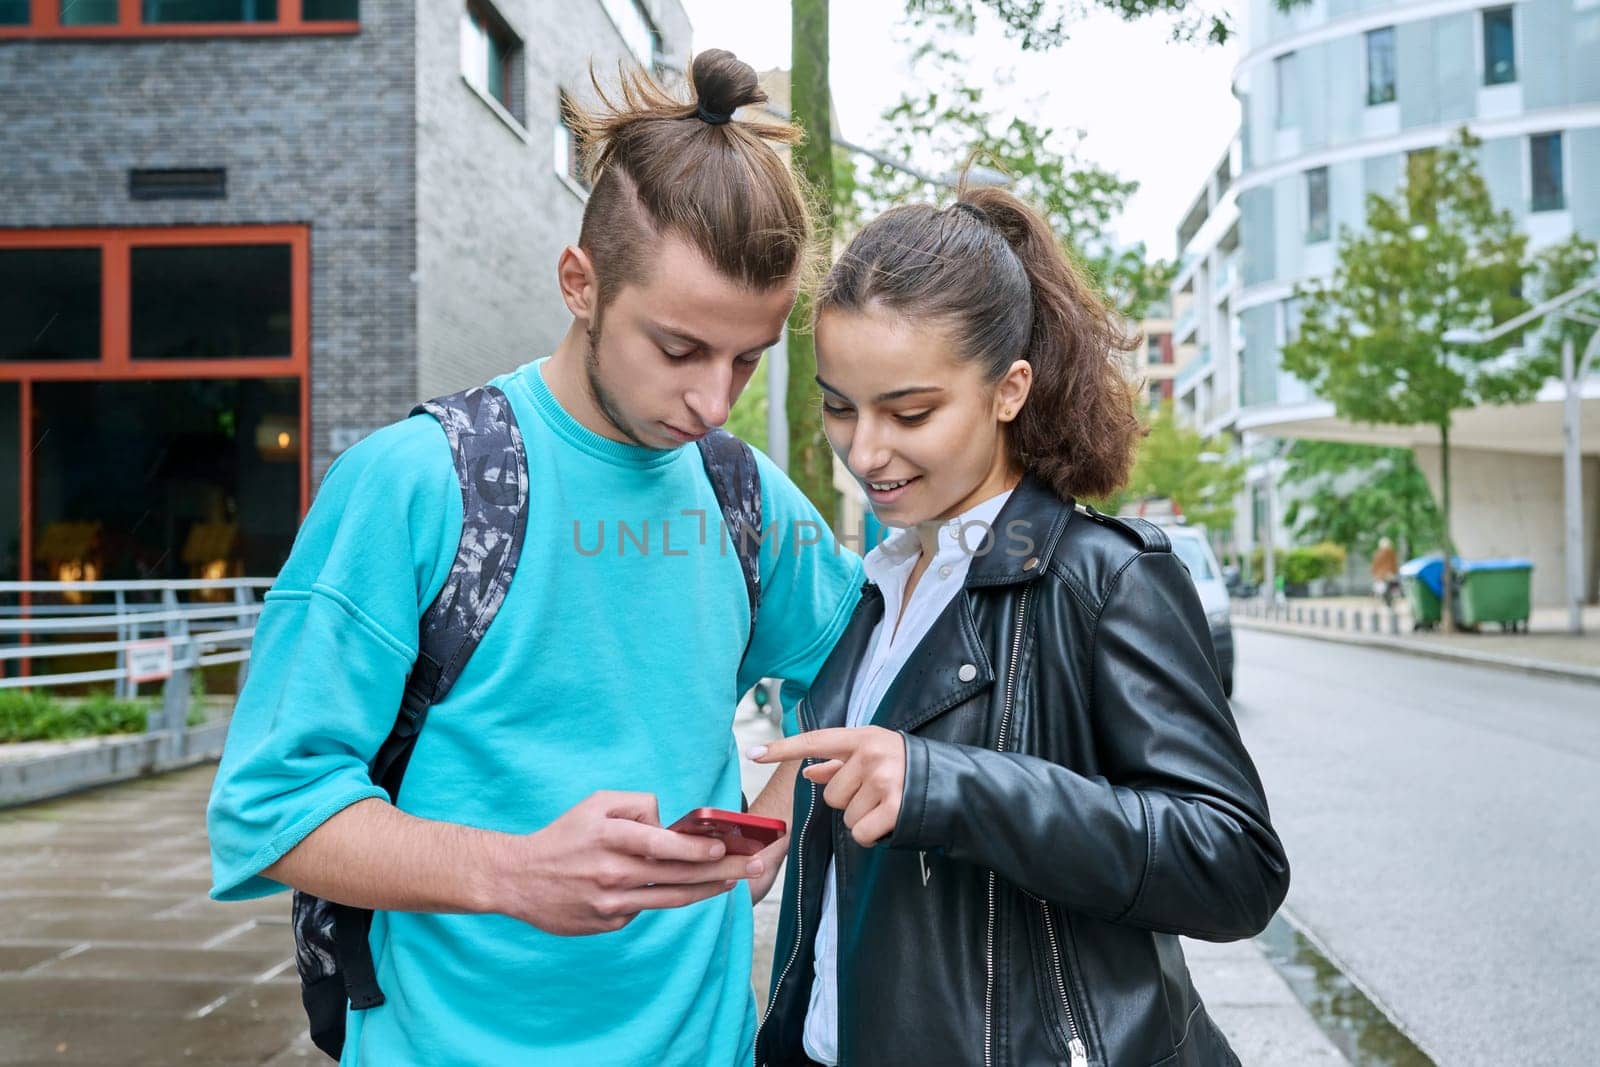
(1443,826)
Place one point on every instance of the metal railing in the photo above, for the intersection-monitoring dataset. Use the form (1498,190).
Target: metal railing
(147,631)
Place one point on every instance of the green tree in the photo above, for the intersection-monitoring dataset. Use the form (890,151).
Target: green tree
(1175,462)
(1436,256)
(810,459)
(1043,24)
(1353,495)
(950,122)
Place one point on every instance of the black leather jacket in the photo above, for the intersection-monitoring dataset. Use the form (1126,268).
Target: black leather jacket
(1076,796)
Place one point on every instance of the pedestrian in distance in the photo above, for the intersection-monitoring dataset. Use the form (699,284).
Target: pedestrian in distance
(520,900)
(1386,572)
(1022,780)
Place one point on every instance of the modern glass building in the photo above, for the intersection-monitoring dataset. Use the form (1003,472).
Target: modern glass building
(1333,98)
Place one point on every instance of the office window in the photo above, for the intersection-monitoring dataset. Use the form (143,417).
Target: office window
(1380,66)
(1549,182)
(568,153)
(210,301)
(491,56)
(88,12)
(49,303)
(1287,97)
(1317,225)
(1153,351)
(156,12)
(1156,395)
(176,18)
(633,22)
(1288,320)
(329,10)
(1499,47)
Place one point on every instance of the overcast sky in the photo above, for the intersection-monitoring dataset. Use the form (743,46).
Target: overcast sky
(1153,111)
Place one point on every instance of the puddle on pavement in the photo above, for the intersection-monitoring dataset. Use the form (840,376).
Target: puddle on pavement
(1356,1026)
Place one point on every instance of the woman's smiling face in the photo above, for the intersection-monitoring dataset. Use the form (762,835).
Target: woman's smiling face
(916,425)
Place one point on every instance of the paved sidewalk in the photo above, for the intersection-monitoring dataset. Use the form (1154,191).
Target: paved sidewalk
(111,953)
(1546,648)
(1265,1023)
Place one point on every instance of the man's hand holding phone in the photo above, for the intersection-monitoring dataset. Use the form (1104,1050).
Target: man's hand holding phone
(604,861)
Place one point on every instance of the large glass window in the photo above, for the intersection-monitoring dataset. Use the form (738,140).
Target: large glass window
(164,11)
(329,10)
(169,479)
(633,22)
(210,301)
(13,12)
(1549,181)
(490,56)
(49,303)
(1380,66)
(10,480)
(567,152)
(88,12)
(1287,99)
(1499,47)
(1317,222)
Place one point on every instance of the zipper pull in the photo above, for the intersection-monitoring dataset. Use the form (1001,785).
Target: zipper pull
(922,861)
(1080,1055)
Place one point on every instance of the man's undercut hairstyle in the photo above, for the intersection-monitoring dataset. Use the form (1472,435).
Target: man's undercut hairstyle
(661,165)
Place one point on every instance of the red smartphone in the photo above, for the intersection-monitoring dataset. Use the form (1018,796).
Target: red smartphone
(744,834)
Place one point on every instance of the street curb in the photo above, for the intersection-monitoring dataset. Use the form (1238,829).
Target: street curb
(1542,668)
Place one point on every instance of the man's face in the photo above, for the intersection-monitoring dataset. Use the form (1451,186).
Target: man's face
(668,357)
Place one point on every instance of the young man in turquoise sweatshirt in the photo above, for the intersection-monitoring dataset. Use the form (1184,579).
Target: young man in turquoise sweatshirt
(530,908)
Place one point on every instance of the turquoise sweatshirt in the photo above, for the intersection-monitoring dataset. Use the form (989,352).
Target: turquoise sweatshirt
(614,664)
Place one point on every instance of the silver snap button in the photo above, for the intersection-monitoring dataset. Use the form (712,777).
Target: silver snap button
(967,672)
(944,572)
(1033,561)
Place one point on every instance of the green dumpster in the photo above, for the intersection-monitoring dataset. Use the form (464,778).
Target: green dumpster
(1423,581)
(1495,590)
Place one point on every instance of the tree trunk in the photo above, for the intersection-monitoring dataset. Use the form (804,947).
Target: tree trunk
(810,459)
(1447,618)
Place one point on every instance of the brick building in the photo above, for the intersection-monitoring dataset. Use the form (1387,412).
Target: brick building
(238,235)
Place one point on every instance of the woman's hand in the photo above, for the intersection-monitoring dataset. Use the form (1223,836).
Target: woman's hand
(864,774)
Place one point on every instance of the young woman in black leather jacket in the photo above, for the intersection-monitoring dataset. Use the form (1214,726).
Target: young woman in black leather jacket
(1022,780)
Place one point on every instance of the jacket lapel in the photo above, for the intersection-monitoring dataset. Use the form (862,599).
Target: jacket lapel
(830,691)
(949,665)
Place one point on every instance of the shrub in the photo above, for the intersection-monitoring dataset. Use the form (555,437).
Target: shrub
(30,716)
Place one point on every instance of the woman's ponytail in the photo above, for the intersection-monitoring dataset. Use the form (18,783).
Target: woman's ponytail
(991,270)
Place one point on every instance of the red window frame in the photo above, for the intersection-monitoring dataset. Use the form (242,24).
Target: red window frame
(45,21)
(116,321)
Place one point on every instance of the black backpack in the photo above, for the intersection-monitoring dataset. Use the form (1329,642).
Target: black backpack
(331,947)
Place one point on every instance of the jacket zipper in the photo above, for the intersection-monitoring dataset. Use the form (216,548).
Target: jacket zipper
(1076,1047)
(800,908)
(1000,746)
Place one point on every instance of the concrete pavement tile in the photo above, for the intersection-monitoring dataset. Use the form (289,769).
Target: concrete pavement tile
(25,884)
(43,995)
(20,957)
(115,961)
(179,933)
(260,937)
(1276,1036)
(99,906)
(150,1042)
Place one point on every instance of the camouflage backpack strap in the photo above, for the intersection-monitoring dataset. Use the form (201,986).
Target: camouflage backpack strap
(331,940)
(731,465)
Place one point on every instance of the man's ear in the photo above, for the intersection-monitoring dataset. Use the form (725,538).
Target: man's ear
(580,288)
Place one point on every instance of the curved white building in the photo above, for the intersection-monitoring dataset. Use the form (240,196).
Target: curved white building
(1333,97)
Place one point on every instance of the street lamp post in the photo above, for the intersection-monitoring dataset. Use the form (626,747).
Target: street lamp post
(1573,372)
